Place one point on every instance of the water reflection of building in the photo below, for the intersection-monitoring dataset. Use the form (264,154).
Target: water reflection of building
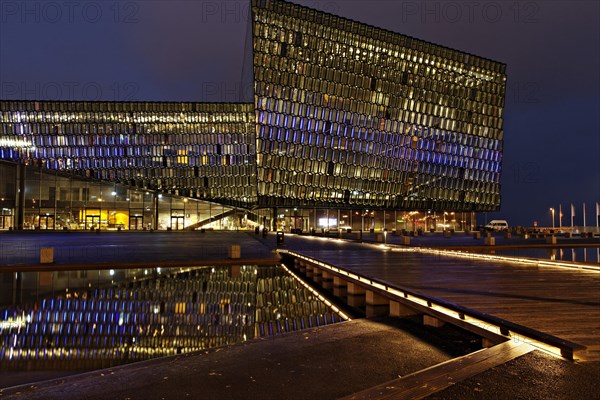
(113,317)
(349,124)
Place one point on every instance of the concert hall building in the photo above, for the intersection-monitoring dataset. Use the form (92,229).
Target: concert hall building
(352,126)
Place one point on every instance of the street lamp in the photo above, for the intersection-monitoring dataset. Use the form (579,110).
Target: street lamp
(552,211)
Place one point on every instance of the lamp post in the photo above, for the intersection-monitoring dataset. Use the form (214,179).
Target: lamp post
(552,211)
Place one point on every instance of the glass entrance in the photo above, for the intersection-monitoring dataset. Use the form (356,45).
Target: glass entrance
(6,218)
(92,221)
(298,223)
(177,219)
(136,223)
(177,223)
(46,221)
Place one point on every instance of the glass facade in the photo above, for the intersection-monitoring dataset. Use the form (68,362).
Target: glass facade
(198,150)
(58,200)
(346,116)
(352,115)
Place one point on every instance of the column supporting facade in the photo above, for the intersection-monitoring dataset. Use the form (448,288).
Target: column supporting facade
(20,206)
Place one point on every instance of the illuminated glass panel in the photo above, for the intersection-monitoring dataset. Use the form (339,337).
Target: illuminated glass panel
(384,120)
(199,150)
(344,115)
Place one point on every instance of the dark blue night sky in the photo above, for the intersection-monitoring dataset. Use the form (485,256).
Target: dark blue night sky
(192,50)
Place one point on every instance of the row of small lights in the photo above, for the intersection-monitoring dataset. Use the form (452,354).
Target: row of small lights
(431,305)
(465,254)
(493,257)
(317,294)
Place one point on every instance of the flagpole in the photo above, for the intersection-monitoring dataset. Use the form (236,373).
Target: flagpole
(572,216)
(560,216)
(584,223)
(597,214)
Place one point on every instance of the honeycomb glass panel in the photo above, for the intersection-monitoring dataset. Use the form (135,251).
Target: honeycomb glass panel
(377,85)
(175,148)
(339,107)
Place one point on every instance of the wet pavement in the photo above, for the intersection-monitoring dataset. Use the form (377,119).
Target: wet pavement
(324,363)
(533,376)
(23,248)
(563,302)
(126,248)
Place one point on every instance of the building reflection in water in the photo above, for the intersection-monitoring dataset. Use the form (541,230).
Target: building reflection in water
(143,314)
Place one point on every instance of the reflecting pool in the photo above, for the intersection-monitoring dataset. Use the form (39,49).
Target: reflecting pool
(100,318)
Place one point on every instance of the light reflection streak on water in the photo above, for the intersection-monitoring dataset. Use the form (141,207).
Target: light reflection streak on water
(581,254)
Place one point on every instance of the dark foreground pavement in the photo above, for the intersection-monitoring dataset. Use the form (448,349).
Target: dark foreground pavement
(530,377)
(323,363)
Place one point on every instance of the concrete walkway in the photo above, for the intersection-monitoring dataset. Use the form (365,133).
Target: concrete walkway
(123,248)
(563,302)
(323,363)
